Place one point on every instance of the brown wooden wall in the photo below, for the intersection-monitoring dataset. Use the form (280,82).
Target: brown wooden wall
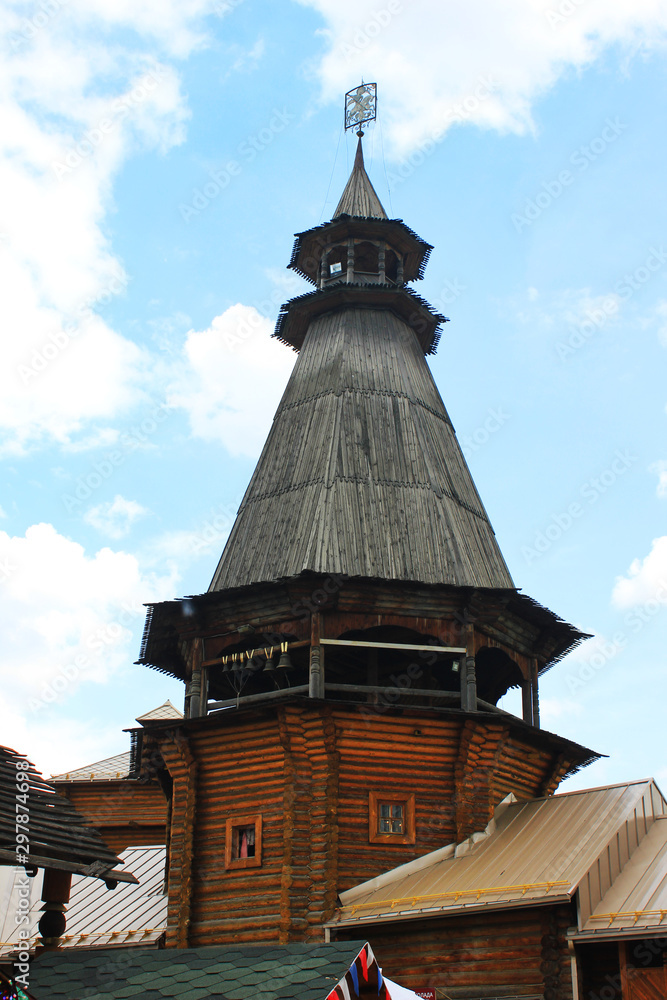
(127,813)
(307,768)
(495,953)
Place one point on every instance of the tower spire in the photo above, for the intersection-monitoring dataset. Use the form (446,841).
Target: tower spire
(359,199)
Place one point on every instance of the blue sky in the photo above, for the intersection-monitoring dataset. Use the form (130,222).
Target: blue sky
(156,161)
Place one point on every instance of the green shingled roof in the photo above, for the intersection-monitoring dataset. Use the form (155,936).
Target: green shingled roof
(303,971)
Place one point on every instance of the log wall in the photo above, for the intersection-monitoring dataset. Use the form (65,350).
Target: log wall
(127,813)
(519,952)
(307,768)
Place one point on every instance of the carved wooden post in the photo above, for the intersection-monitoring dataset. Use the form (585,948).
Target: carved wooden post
(527,700)
(468,674)
(324,268)
(372,675)
(196,691)
(55,894)
(536,695)
(350,261)
(399,273)
(471,685)
(381,263)
(316,673)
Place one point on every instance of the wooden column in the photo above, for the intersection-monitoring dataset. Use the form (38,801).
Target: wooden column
(623,966)
(197,705)
(399,273)
(316,671)
(324,268)
(182,767)
(55,894)
(536,695)
(471,685)
(468,674)
(372,676)
(527,700)
(350,261)
(381,263)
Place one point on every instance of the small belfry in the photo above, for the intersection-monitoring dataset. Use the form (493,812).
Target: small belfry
(343,671)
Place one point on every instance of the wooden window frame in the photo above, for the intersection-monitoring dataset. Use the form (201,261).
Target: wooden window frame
(395,798)
(232,824)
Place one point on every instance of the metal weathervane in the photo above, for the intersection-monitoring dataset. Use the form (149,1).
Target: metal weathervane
(360,106)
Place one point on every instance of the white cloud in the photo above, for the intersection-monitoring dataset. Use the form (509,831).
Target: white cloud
(481,61)
(115,517)
(72,111)
(646,581)
(660,469)
(234,379)
(66,618)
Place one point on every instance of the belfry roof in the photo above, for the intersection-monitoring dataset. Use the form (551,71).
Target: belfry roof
(361,473)
(359,199)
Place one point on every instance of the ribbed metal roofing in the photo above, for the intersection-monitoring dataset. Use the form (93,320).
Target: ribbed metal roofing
(129,914)
(362,473)
(636,902)
(359,197)
(542,850)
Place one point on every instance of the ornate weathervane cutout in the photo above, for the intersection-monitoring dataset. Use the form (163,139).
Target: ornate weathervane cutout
(360,106)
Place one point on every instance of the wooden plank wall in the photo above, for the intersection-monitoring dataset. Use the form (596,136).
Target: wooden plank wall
(127,813)
(519,952)
(308,769)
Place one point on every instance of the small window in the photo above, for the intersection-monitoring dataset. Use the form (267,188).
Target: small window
(391,818)
(336,268)
(243,845)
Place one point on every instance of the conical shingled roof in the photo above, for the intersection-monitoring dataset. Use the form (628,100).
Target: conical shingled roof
(359,198)
(361,473)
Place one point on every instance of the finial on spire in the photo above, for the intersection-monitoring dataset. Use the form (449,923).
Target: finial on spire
(360,106)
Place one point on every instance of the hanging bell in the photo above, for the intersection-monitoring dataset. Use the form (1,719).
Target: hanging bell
(225,664)
(236,665)
(269,665)
(284,663)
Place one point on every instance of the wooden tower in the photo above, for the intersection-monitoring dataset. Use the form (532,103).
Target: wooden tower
(343,670)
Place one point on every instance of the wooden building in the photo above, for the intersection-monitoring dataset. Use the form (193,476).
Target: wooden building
(561,897)
(40,831)
(343,670)
(128,809)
